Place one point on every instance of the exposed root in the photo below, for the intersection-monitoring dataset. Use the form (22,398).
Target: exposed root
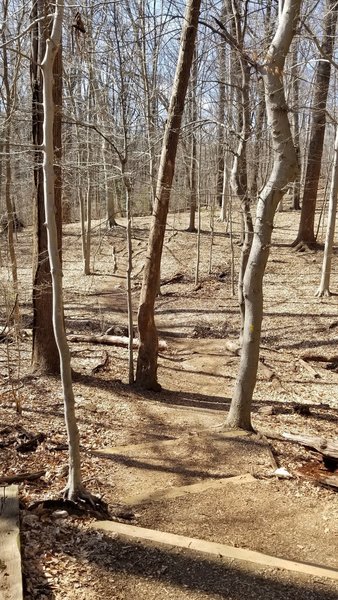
(304,246)
(83,505)
(86,502)
(323,293)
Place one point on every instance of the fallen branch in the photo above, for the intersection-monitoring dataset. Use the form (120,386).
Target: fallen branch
(111,340)
(308,368)
(31,444)
(265,371)
(319,357)
(177,278)
(331,482)
(325,447)
(19,477)
(102,364)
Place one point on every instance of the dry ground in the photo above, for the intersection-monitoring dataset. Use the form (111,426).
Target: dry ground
(135,445)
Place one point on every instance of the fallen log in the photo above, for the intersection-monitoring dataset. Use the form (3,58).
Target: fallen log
(331,482)
(308,368)
(177,278)
(325,447)
(309,356)
(19,477)
(265,371)
(111,340)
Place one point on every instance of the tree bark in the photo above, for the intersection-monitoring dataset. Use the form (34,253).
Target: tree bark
(193,151)
(8,98)
(239,172)
(295,121)
(284,169)
(74,488)
(221,72)
(324,287)
(45,356)
(146,373)
(306,235)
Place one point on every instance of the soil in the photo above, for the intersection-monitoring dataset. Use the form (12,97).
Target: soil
(140,448)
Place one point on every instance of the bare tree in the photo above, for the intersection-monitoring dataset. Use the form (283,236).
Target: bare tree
(285,167)
(45,356)
(306,234)
(324,287)
(146,373)
(8,100)
(75,489)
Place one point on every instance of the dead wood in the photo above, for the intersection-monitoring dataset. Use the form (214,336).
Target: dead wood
(19,477)
(308,356)
(32,444)
(302,409)
(271,451)
(323,446)
(265,371)
(308,368)
(331,482)
(177,278)
(102,364)
(233,347)
(111,340)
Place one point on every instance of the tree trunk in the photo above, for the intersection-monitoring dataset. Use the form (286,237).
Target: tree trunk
(74,487)
(306,234)
(257,152)
(284,170)
(221,69)
(295,121)
(239,173)
(324,288)
(193,150)
(146,374)
(45,356)
(8,98)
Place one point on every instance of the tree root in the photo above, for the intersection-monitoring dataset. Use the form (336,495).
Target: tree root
(304,246)
(85,502)
(323,293)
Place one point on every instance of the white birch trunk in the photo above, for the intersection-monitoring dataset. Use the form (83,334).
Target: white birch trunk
(324,287)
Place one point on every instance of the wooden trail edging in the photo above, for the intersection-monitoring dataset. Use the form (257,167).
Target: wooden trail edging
(10,558)
(215,549)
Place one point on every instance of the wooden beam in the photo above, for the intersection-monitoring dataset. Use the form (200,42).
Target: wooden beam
(215,549)
(10,558)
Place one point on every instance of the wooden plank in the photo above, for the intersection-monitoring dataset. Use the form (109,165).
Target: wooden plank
(183,490)
(10,558)
(215,549)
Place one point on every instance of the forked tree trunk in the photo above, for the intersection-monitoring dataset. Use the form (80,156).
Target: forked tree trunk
(324,287)
(74,488)
(45,356)
(284,170)
(306,234)
(146,373)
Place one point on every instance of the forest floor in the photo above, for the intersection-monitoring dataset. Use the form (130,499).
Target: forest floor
(140,448)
